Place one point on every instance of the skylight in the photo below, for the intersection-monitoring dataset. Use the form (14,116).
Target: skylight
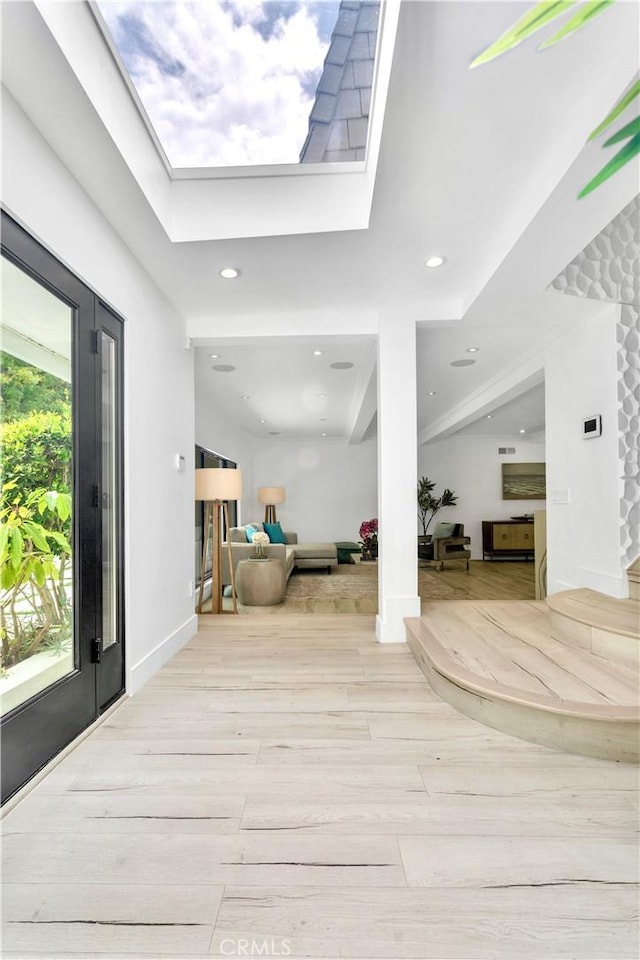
(245,82)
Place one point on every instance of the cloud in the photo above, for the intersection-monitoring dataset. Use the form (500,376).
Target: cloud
(225,83)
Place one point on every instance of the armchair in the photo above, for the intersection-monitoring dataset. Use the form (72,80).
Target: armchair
(447,543)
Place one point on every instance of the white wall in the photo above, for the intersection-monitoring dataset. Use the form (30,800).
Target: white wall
(471,467)
(583,547)
(215,433)
(331,487)
(40,192)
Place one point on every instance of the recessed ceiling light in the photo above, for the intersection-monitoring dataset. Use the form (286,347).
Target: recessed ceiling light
(214,356)
(523,431)
(322,394)
(263,421)
(462,363)
(323,434)
(436,261)
(222,367)
(341,365)
(489,415)
(318,353)
(431,393)
(245,396)
(472,349)
(230,273)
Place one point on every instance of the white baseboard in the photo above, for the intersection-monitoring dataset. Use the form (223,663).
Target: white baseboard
(611,585)
(559,586)
(140,672)
(605,583)
(390,626)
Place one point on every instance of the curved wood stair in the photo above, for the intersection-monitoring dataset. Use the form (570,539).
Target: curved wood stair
(560,673)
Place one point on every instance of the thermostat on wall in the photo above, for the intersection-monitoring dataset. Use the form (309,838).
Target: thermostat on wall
(592,426)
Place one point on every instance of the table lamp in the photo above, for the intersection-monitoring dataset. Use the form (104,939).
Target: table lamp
(270,496)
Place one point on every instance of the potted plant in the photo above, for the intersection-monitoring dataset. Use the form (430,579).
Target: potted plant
(428,505)
(369,534)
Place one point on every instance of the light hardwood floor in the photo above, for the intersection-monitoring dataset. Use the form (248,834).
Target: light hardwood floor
(291,783)
(312,593)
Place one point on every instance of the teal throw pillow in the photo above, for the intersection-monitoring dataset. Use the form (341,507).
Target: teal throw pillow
(443,530)
(275,533)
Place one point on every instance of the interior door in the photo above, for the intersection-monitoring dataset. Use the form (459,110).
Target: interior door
(61,594)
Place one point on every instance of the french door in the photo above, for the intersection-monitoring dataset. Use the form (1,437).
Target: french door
(61,530)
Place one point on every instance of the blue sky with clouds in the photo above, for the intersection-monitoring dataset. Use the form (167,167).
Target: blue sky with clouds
(225,82)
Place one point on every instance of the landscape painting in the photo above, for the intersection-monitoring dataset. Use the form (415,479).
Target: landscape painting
(524,481)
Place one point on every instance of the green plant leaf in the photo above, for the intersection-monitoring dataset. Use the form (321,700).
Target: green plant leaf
(39,575)
(16,548)
(527,25)
(630,130)
(51,569)
(60,539)
(584,15)
(63,506)
(617,109)
(628,152)
(37,535)
(4,540)
(48,501)
(8,577)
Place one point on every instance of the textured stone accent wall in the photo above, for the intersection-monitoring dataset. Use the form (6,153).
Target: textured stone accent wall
(628,333)
(609,269)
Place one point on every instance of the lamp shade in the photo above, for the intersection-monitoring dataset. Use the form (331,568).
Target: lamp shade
(271,495)
(216,483)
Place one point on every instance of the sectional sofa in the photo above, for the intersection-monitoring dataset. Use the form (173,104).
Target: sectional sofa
(292,553)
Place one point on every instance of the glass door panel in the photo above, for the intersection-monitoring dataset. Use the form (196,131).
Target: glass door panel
(110,519)
(36,517)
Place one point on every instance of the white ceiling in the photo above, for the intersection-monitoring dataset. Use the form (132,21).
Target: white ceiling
(282,381)
(481,166)
(523,416)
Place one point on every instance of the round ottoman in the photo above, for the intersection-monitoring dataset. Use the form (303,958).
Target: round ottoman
(260,583)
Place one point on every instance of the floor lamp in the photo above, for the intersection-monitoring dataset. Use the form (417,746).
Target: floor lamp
(270,496)
(216,486)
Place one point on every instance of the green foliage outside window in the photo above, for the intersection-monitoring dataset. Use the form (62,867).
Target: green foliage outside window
(35,511)
(26,389)
(35,613)
(36,451)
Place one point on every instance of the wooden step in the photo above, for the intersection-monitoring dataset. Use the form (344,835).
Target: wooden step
(500,663)
(604,625)
(633,576)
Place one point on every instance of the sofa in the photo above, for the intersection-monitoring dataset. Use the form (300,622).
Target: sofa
(292,553)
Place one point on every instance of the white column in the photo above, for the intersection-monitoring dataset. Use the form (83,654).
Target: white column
(397,479)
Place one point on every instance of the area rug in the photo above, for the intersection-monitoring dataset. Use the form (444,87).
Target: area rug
(349,588)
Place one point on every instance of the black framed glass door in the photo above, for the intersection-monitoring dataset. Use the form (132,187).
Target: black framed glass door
(61,518)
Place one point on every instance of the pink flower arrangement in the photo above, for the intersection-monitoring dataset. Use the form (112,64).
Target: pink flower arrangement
(369,530)
(369,534)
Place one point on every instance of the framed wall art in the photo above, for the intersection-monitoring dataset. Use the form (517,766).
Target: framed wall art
(524,481)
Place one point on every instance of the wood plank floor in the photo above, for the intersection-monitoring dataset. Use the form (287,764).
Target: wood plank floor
(513,644)
(485,580)
(289,787)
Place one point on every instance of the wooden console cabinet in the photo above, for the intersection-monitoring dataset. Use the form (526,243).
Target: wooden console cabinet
(507,538)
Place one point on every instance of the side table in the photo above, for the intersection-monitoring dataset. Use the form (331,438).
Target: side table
(260,583)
